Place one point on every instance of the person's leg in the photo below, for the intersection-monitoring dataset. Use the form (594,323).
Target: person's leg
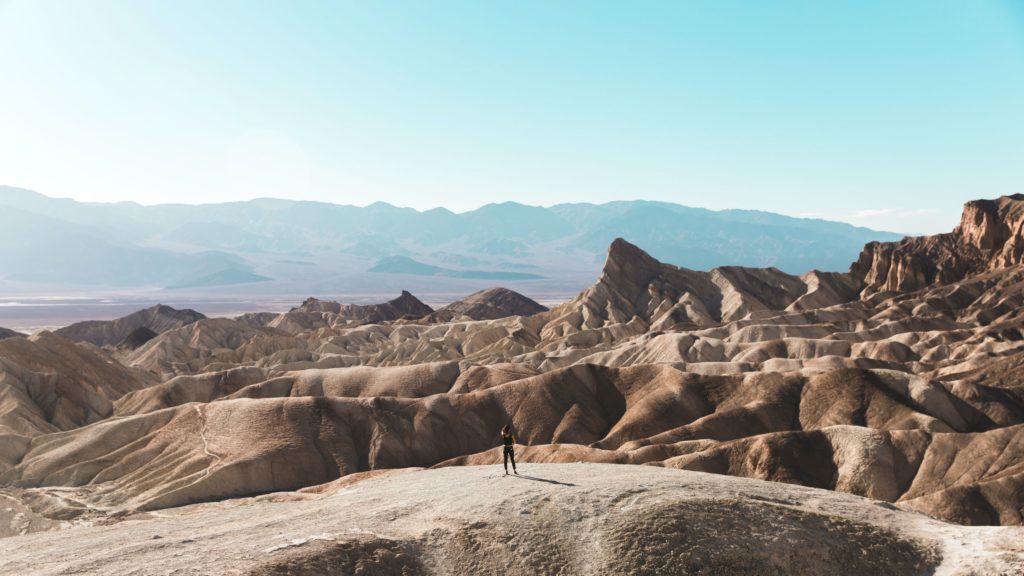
(506,462)
(512,455)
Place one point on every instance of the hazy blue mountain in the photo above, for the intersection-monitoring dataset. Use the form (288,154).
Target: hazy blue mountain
(40,249)
(406,265)
(703,239)
(229,277)
(50,240)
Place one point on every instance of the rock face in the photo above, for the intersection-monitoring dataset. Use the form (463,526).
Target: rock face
(6,333)
(641,294)
(157,319)
(990,236)
(489,304)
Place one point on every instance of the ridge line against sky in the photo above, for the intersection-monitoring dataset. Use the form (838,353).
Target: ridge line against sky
(879,114)
(198,204)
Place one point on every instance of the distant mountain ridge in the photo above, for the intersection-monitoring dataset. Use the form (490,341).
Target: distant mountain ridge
(406,265)
(261,244)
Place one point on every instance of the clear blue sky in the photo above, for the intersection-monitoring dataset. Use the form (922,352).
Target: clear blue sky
(881,113)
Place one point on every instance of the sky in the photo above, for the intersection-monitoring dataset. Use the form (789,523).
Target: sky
(883,114)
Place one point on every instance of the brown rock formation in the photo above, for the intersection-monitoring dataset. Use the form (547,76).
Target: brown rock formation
(314,313)
(48,384)
(157,319)
(990,236)
(489,304)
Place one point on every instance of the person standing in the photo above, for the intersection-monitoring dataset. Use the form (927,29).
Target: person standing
(509,441)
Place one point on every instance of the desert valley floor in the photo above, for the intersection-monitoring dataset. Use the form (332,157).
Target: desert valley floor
(669,421)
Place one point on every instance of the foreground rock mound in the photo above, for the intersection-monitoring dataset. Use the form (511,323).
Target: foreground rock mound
(572,519)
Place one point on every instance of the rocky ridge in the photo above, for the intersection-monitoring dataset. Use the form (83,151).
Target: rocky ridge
(156,319)
(489,304)
(990,236)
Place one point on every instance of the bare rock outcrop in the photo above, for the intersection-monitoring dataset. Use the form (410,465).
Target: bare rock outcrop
(314,313)
(639,293)
(990,236)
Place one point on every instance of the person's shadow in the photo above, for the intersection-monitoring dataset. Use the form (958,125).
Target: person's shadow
(535,479)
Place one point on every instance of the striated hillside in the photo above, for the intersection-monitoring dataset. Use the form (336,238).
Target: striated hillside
(48,384)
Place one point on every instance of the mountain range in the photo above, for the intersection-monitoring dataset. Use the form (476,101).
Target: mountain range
(270,246)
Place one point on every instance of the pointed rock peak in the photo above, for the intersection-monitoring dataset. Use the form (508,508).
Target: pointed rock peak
(165,310)
(411,305)
(629,263)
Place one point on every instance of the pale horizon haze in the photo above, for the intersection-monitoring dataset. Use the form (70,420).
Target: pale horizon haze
(884,115)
